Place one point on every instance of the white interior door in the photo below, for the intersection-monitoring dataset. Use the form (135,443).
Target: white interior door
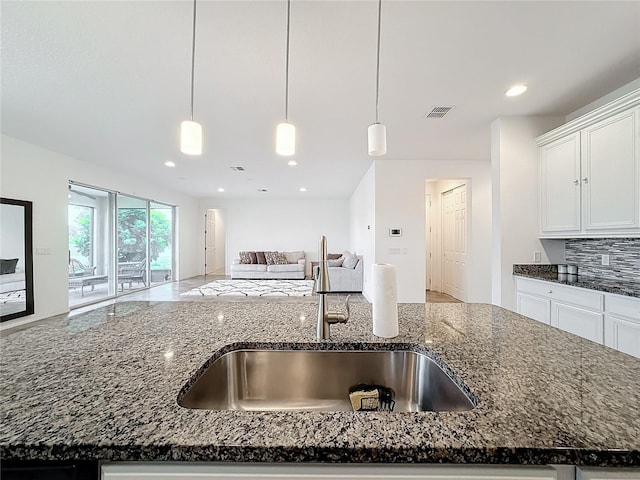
(454,226)
(210,242)
(429,243)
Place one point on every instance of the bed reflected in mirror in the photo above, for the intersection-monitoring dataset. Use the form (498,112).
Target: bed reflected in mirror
(16,260)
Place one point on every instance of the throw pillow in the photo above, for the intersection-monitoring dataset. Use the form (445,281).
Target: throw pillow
(336,262)
(8,266)
(261,258)
(276,258)
(245,257)
(254,257)
(350,261)
(270,257)
(293,257)
(333,256)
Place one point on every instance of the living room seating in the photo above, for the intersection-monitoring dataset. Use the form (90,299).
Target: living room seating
(345,272)
(269,265)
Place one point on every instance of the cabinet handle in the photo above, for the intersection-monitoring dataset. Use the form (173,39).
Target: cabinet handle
(576,182)
(585,179)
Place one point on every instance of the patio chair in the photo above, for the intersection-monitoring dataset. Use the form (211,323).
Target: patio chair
(132,272)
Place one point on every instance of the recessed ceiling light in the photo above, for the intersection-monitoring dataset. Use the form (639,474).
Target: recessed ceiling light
(516,90)
(292,163)
(221,189)
(169,163)
(302,189)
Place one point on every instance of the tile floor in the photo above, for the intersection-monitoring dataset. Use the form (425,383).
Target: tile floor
(171,292)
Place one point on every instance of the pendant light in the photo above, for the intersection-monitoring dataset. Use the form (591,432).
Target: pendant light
(190,131)
(377,132)
(286,132)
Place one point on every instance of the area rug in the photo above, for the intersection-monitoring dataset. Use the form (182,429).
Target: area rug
(254,288)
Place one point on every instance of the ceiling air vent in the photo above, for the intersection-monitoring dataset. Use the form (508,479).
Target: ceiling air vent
(438,112)
(237,169)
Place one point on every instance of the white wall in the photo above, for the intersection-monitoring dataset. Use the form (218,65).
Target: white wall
(12,229)
(279,224)
(516,200)
(362,226)
(33,173)
(399,201)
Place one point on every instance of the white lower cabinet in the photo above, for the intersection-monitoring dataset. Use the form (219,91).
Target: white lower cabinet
(622,324)
(579,321)
(606,318)
(583,473)
(185,471)
(534,307)
(571,309)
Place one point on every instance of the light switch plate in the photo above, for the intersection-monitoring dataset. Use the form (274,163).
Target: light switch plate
(605,260)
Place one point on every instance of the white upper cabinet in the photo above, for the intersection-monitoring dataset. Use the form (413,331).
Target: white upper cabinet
(611,173)
(590,173)
(560,185)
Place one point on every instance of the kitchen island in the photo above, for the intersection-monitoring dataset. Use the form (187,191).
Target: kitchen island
(103,386)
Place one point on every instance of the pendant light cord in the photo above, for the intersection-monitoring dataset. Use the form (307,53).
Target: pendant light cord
(193,55)
(378,60)
(286,88)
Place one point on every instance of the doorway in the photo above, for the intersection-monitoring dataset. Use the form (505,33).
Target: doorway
(214,242)
(447,237)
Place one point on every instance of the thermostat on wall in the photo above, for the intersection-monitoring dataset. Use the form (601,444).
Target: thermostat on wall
(395,232)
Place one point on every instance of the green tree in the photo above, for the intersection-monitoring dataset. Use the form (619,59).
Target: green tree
(132,234)
(80,229)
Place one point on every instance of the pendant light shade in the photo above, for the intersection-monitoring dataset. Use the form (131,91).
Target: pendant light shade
(190,131)
(377,134)
(286,132)
(190,138)
(286,139)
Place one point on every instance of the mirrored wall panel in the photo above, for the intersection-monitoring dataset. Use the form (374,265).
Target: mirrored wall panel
(16,259)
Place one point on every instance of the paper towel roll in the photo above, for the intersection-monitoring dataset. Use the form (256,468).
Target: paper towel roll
(385,300)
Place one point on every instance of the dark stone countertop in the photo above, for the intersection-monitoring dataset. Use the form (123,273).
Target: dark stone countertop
(549,273)
(103,385)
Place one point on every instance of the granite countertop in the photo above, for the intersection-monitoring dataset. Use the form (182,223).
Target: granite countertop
(549,273)
(103,385)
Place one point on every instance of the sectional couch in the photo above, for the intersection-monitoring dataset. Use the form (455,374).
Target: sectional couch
(269,265)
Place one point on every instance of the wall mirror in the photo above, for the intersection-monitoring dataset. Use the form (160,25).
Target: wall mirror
(16,259)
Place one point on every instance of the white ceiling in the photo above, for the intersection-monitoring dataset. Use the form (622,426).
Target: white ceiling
(108,82)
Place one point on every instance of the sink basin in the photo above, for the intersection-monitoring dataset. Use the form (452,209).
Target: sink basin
(281,380)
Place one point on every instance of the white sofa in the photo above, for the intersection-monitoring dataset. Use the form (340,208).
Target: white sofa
(294,270)
(343,279)
(10,282)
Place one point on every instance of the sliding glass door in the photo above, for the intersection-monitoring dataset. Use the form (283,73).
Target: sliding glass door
(91,252)
(117,244)
(133,224)
(161,246)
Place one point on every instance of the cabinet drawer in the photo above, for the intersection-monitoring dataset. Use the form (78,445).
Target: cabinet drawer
(625,306)
(562,293)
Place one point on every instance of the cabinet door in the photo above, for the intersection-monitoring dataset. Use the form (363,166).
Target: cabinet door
(534,307)
(622,334)
(560,185)
(611,173)
(581,322)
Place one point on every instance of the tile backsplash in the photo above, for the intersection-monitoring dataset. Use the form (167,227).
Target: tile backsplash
(624,257)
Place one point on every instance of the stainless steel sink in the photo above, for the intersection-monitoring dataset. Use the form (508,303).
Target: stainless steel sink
(279,380)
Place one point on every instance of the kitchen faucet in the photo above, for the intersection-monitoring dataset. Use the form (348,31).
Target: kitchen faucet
(325,317)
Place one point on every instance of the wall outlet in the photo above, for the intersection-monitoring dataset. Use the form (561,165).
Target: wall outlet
(605,259)
(537,257)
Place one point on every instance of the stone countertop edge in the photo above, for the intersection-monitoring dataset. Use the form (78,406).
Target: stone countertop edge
(549,273)
(103,386)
